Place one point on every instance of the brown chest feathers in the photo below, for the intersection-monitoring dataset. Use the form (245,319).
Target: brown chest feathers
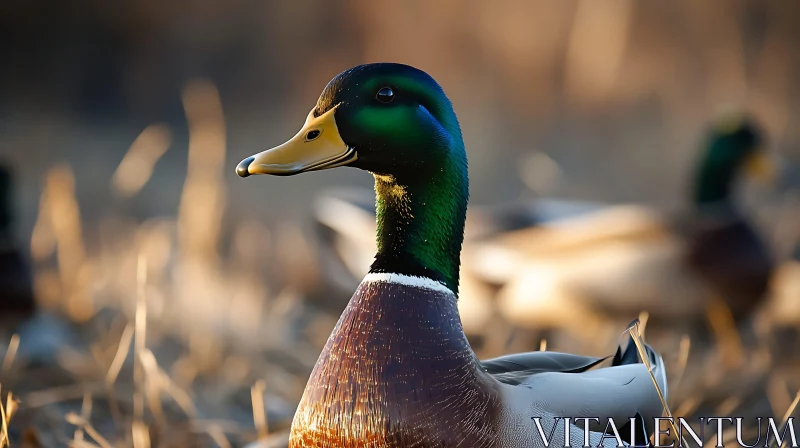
(397,371)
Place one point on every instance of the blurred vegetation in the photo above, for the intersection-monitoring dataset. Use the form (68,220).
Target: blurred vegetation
(616,93)
(124,121)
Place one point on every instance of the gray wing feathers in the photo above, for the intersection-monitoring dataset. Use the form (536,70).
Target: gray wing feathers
(616,392)
(514,369)
(567,385)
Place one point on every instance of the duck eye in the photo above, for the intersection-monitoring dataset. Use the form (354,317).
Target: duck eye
(385,95)
(312,135)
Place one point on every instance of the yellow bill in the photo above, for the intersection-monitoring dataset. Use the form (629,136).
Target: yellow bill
(318,146)
(760,166)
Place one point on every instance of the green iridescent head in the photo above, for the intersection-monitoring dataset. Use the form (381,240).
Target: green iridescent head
(385,118)
(396,117)
(394,121)
(734,145)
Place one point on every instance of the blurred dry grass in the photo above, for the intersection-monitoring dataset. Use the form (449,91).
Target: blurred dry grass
(158,285)
(182,344)
(195,330)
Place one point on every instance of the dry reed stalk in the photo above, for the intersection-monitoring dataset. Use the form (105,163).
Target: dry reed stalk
(644,316)
(7,412)
(158,382)
(141,435)
(202,206)
(792,407)
(218,435)
(121,354)
(11,353)
(683,358)
(45,397)
(4,440)
(140,335)
(727,336)
(785,419)
(43,239)
(79,421)
(152,383)
(202,200)
(259,411)
(136,166)
(778,394)
(65,220)
(180,396)
(635,335)
(86,412)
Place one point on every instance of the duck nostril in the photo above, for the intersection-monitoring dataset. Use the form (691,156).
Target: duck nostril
(312,135)
(243,168)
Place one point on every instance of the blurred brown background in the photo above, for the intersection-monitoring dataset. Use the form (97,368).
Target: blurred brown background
(616,93)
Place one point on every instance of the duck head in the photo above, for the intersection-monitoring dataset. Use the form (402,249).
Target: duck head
(396,122)
(734,146)
(388,119)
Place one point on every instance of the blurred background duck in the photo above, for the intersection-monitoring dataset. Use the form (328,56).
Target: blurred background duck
(16,287)
(41,334)
(625,259)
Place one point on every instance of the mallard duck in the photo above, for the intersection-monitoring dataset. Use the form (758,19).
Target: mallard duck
(16,286)
(630,258)
(397,371)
